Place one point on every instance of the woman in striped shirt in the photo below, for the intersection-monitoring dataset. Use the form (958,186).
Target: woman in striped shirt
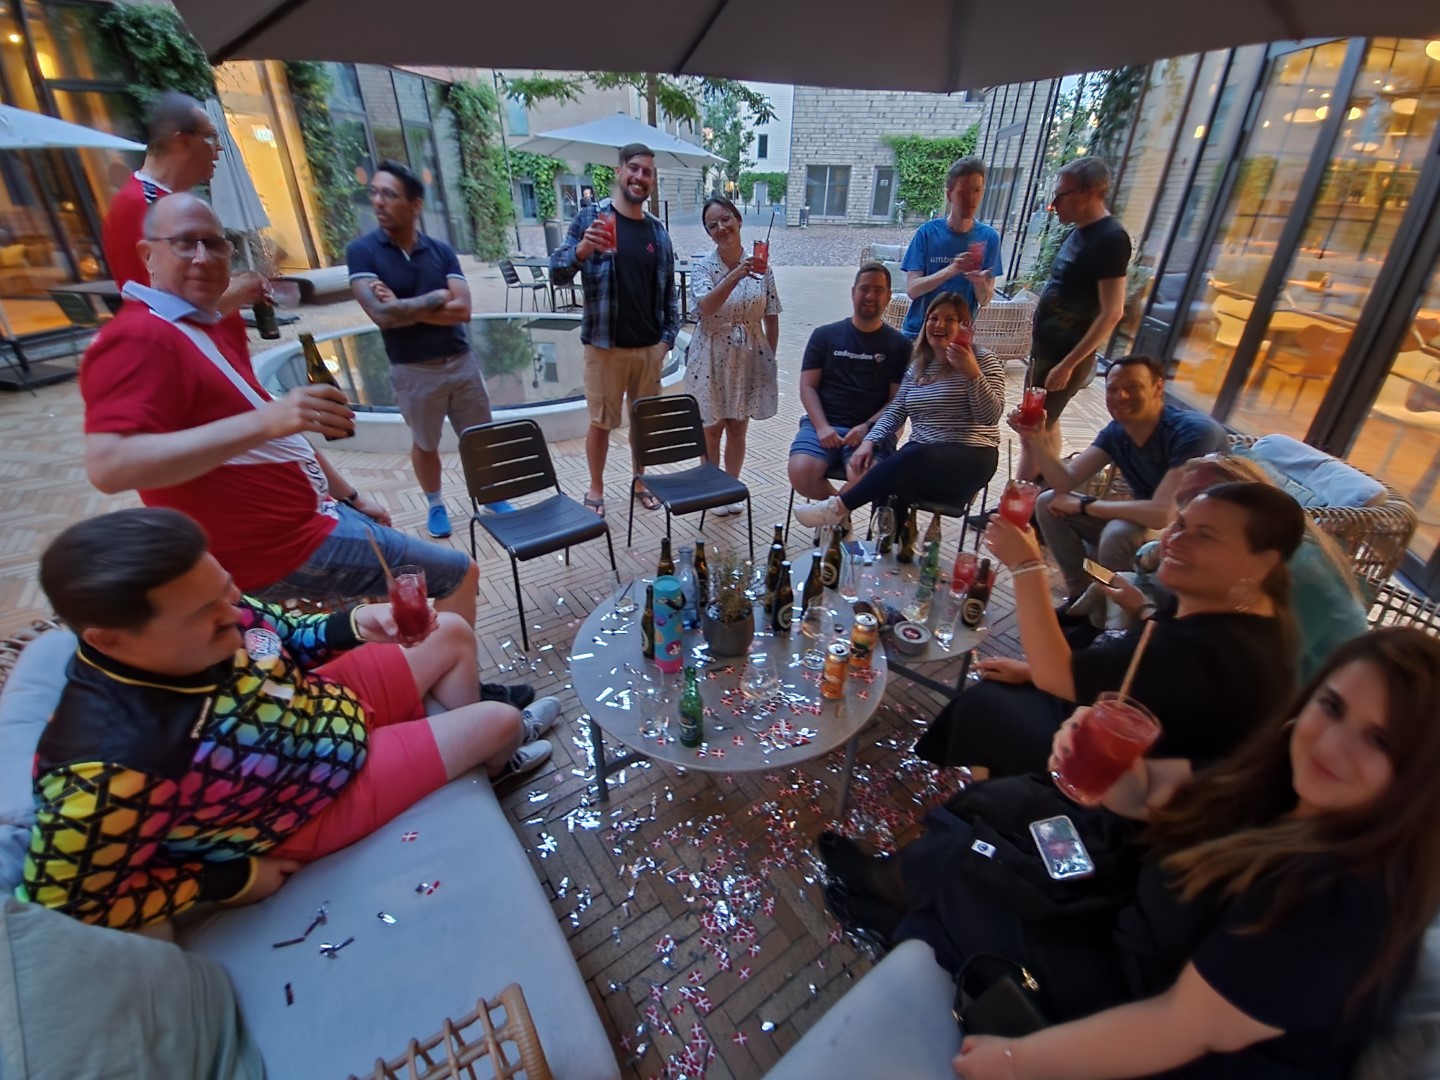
(953,394)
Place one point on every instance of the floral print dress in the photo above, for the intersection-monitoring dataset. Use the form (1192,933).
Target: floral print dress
(730,367)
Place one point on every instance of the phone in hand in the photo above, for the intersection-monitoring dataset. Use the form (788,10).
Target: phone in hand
(1061,849)
(1103,574)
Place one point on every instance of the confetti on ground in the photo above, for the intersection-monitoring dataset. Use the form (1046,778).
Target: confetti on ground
(386,918)
(289,995)
(407,837)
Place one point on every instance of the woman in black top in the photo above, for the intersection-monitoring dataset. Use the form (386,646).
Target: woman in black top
(1285,897)
(1214,669)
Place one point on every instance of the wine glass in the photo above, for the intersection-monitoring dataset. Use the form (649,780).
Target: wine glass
(884,526)
(947,608)
(815,623)
(758,683)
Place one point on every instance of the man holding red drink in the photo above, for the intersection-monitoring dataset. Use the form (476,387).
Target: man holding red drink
(631,315)
(955,253)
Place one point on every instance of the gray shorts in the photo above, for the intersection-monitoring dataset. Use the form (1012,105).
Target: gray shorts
(430,391)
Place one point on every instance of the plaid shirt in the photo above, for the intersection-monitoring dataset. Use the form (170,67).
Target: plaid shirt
(597,320)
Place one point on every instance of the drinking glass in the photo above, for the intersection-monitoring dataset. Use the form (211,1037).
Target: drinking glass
(1107,740)
(1017,502)
(947,610)
(884,526)
(409,606)
(852,569)
(760,679)
(625,602)
(964,572)
(815,623)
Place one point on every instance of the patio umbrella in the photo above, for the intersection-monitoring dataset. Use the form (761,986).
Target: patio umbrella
(934,45)
(232,192)
(24,130)
(597,143)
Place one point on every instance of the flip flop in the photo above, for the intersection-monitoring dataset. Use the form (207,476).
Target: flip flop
(597,505)
(648,500)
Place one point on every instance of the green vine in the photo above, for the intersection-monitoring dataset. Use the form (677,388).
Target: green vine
(921,165)
(776,180)
(602,179)
(160,52)
(1115,113)
(334,186)
(482,183)
(543,170)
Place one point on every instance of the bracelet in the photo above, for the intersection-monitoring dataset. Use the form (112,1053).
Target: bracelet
(355,626)
(1029,567)
(351,499)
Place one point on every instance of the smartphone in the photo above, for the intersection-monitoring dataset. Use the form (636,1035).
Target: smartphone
(1061,849)
(1103,574)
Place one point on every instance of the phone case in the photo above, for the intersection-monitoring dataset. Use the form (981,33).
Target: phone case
(1100,573)
(1061,849)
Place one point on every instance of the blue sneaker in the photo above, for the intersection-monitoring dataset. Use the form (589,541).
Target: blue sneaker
(438,522)
(501,507)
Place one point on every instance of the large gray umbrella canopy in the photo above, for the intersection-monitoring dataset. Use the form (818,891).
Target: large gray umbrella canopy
(599,141)
(24,130)
(232,192)
(934,45)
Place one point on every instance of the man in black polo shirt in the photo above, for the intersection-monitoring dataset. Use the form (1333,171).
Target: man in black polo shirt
(411,286)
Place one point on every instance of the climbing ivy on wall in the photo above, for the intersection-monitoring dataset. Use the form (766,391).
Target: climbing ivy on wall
(483,183)
(325,154)
(543,171)
(160,52)
(921,165)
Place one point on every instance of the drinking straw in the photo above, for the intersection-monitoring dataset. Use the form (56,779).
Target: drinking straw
(1135,660)
(1010,456)
(389,577)
(772,226)
(624,593)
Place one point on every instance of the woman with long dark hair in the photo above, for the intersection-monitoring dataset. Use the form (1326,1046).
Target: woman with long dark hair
(953,394)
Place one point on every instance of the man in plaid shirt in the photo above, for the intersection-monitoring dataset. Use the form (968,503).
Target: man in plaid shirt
(630,318)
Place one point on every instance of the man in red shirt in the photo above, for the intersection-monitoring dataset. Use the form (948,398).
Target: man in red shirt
(182,147)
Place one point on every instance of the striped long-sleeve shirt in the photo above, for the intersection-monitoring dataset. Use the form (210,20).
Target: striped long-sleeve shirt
(953,408)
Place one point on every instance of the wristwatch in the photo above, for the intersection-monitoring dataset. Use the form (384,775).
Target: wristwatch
(351,499)
(1085,501)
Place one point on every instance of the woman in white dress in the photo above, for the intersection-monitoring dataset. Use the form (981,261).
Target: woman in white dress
(730,366)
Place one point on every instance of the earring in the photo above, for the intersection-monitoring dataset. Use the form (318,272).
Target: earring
(1244,595)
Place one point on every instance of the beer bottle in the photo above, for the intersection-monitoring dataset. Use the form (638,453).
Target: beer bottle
(909,533)
(932,534)
(265,320)
(666,566)
(781,613)
(887,542)
(779,538)
(930,568)
(830,570)
(316,373)
(772,569)
(814,584)
(647,625)
(702,580)
(972,612)
(692,711)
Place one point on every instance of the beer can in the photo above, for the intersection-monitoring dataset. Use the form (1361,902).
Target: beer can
(863,638)
(837,663)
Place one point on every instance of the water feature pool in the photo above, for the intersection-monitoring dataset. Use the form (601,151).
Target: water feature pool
(534,367)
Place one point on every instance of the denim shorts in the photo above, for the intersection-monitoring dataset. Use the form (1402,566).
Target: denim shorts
(344,566)
(807,441)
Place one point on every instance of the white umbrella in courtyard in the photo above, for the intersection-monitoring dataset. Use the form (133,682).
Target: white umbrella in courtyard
(598,142)
(232,192)
(24,130)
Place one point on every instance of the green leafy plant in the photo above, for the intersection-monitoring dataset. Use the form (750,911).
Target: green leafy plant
(602,179)
(727,132)
(920,167)
(483,184)
(159,50)
(326,154)
(543,170)
(729,584)
(776,182)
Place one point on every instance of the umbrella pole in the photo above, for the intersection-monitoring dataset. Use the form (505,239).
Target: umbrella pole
(509,175)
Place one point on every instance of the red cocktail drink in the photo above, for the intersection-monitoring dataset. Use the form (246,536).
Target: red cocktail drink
(409,605)
(965,335)
(964,572)
(1032,407)
(977,256)
(606,220)
(760,260)
(1017,503)
(1107,741)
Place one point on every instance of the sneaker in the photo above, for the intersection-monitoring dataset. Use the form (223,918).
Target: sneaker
(438,522)
(501,507)
(830,512)
(527,759)
(540,717)
(981,521)
(727,511)
(517,694)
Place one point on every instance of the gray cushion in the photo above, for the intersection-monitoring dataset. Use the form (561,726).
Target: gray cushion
(1411,1049)
(487,925)
(895,1022)
(30,695)
(79,1000)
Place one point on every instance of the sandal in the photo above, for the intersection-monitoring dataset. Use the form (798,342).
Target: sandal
(596,505)
(648,500)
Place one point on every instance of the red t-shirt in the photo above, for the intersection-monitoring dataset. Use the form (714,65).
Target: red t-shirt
(125,226)
(143,376)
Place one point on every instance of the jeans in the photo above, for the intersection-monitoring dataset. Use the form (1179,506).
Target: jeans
(1115,541)
(925,472)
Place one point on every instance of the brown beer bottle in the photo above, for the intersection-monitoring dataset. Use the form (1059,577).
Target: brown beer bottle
(772,567)
(265,320)
(702,580)
(814,583)
(782,613)
(316,373)
(830,569)
(666,567)
(908,535)
(972,612)
(647,625)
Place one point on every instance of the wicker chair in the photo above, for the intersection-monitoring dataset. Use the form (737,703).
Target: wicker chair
(1374,537)
(1396,606)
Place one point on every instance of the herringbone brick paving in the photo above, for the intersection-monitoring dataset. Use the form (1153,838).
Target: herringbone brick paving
(671,852)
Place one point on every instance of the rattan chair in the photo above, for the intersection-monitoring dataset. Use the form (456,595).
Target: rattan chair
(508,459)
(666,430)
(1395,605)
(1002,326)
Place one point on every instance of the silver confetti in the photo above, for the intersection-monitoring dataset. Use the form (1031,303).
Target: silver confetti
(767,1026)
(386,917)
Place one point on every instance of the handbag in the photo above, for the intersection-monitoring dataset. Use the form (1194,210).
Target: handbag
(997,996)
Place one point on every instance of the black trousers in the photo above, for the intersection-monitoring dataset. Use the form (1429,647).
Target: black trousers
(1006,728)
(925,472)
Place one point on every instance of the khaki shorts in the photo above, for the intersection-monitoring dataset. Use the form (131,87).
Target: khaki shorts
(611,374)
(430,391)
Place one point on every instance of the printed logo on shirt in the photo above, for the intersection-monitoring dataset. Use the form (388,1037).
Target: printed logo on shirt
(262,643)
(879,358)
(846,354)
(650,247)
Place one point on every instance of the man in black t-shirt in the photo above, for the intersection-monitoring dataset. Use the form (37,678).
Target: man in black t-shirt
(1084,298)
(851,370)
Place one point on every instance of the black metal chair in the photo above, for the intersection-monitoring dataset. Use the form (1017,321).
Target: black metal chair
(963,512)
(512,281)
(664,430)
(80,312)
(537,273)
(508,459)
(837,473)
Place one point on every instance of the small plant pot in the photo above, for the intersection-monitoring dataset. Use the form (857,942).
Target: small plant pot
(728,638)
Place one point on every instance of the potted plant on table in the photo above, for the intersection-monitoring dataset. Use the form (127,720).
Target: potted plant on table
(728,622)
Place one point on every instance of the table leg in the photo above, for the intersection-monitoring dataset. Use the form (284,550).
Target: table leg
(842,803)
(605,766)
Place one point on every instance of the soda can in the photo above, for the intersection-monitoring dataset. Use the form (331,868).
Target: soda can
(832,679)
(863,638)
(669,606)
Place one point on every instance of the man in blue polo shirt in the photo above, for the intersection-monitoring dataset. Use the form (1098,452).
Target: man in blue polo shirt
(411,286)
(1148,441)
(944,254)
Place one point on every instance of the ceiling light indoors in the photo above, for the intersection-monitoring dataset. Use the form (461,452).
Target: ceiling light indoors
(1405,106)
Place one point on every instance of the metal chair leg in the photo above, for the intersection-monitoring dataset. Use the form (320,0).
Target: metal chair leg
(789,511)
(611,548)
(630,528)
(519,603)
(750,520)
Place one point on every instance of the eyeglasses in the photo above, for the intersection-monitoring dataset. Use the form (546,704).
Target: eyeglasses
(385,194)
(213,138)
(720,222)
(185,247)
(1062,194)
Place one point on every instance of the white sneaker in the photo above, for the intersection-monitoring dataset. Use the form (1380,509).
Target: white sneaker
(539,717)
(726,511)
(527,759)
(830,512)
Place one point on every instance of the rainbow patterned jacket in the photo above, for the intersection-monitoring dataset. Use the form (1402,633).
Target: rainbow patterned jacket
(153,792)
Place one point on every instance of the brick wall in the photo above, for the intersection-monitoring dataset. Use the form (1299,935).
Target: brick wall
(847,127)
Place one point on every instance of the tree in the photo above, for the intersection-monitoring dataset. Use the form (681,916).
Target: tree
(727,134)
(679,97)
